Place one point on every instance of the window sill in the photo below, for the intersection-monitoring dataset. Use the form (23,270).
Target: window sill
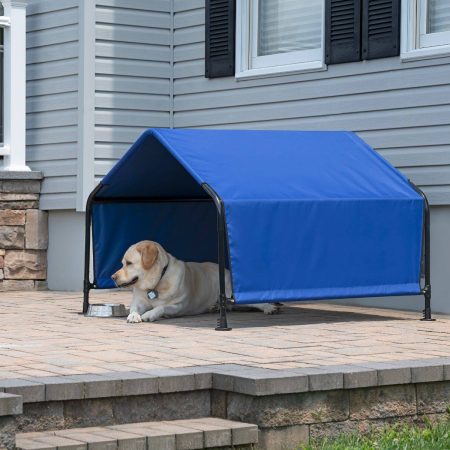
(426,53)
(5,22)
(291,69)
(4,150)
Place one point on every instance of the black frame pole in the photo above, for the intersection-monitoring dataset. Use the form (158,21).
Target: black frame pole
(222,323)
(426,290)
(87,285)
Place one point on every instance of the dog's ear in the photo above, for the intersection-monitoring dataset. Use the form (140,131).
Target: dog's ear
(149,253)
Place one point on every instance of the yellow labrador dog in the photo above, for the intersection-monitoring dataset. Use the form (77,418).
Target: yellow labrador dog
(164,286)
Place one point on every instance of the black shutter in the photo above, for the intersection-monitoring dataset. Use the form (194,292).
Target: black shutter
(219,38)
(380,28)
(342,31)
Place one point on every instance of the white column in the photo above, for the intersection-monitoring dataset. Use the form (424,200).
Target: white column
(15,86)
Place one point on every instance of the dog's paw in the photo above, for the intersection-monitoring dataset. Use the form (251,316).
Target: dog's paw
(271,308)
(134,317)
(149,316)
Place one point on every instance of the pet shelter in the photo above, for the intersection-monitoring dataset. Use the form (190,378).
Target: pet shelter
(294,215)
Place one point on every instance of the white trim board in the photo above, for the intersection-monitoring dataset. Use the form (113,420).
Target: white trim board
(86,103)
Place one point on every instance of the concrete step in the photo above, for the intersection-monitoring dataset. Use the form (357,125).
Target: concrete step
(10,404)
(208,432)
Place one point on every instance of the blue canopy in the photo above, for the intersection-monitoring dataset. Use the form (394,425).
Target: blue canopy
(309,215)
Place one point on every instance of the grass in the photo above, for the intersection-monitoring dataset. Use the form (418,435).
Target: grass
(396,437)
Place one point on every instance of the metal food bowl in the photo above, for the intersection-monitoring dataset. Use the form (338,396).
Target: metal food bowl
(107,310)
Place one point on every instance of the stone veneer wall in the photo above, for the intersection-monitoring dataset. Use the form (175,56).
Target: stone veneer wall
(23,232)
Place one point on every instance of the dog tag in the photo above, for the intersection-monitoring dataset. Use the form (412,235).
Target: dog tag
(152,294)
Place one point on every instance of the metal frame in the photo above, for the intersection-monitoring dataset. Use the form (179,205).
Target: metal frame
(426,290)
(87,285)
(222,323)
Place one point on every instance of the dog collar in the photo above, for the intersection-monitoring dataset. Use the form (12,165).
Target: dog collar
(153,293)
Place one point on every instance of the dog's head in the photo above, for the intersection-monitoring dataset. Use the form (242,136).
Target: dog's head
(142,266)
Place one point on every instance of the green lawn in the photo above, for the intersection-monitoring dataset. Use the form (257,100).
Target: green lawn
(398,437)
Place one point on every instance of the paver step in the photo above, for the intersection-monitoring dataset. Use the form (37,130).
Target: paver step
(207,432)
(10,404)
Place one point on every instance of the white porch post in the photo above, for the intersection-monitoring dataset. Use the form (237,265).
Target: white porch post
(15,86)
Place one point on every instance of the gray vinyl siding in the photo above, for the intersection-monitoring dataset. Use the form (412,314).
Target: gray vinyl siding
(149,72)
(133,74)
(52,98)
(400,108)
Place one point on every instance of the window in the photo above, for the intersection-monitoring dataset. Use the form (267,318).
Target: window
(279,36)
(434,23)
(426,28)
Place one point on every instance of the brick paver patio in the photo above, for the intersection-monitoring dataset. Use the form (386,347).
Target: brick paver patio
(43,334)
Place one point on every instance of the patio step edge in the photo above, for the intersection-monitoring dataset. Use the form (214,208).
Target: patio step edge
(191,434)
(227,377)
(10,404)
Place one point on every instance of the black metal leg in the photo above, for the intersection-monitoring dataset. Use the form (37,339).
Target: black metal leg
(87,285)
(85,298)
(222,323)
(427,310)
(427,288)
(426,291)
(87,258)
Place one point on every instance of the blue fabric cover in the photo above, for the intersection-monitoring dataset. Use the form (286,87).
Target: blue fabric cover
(178,227)
(310,215)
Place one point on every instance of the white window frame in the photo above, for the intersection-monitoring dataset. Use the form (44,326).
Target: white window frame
(14,86)
(416,42)
(250,66)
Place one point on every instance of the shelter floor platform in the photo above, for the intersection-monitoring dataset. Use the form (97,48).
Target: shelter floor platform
(42,334)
